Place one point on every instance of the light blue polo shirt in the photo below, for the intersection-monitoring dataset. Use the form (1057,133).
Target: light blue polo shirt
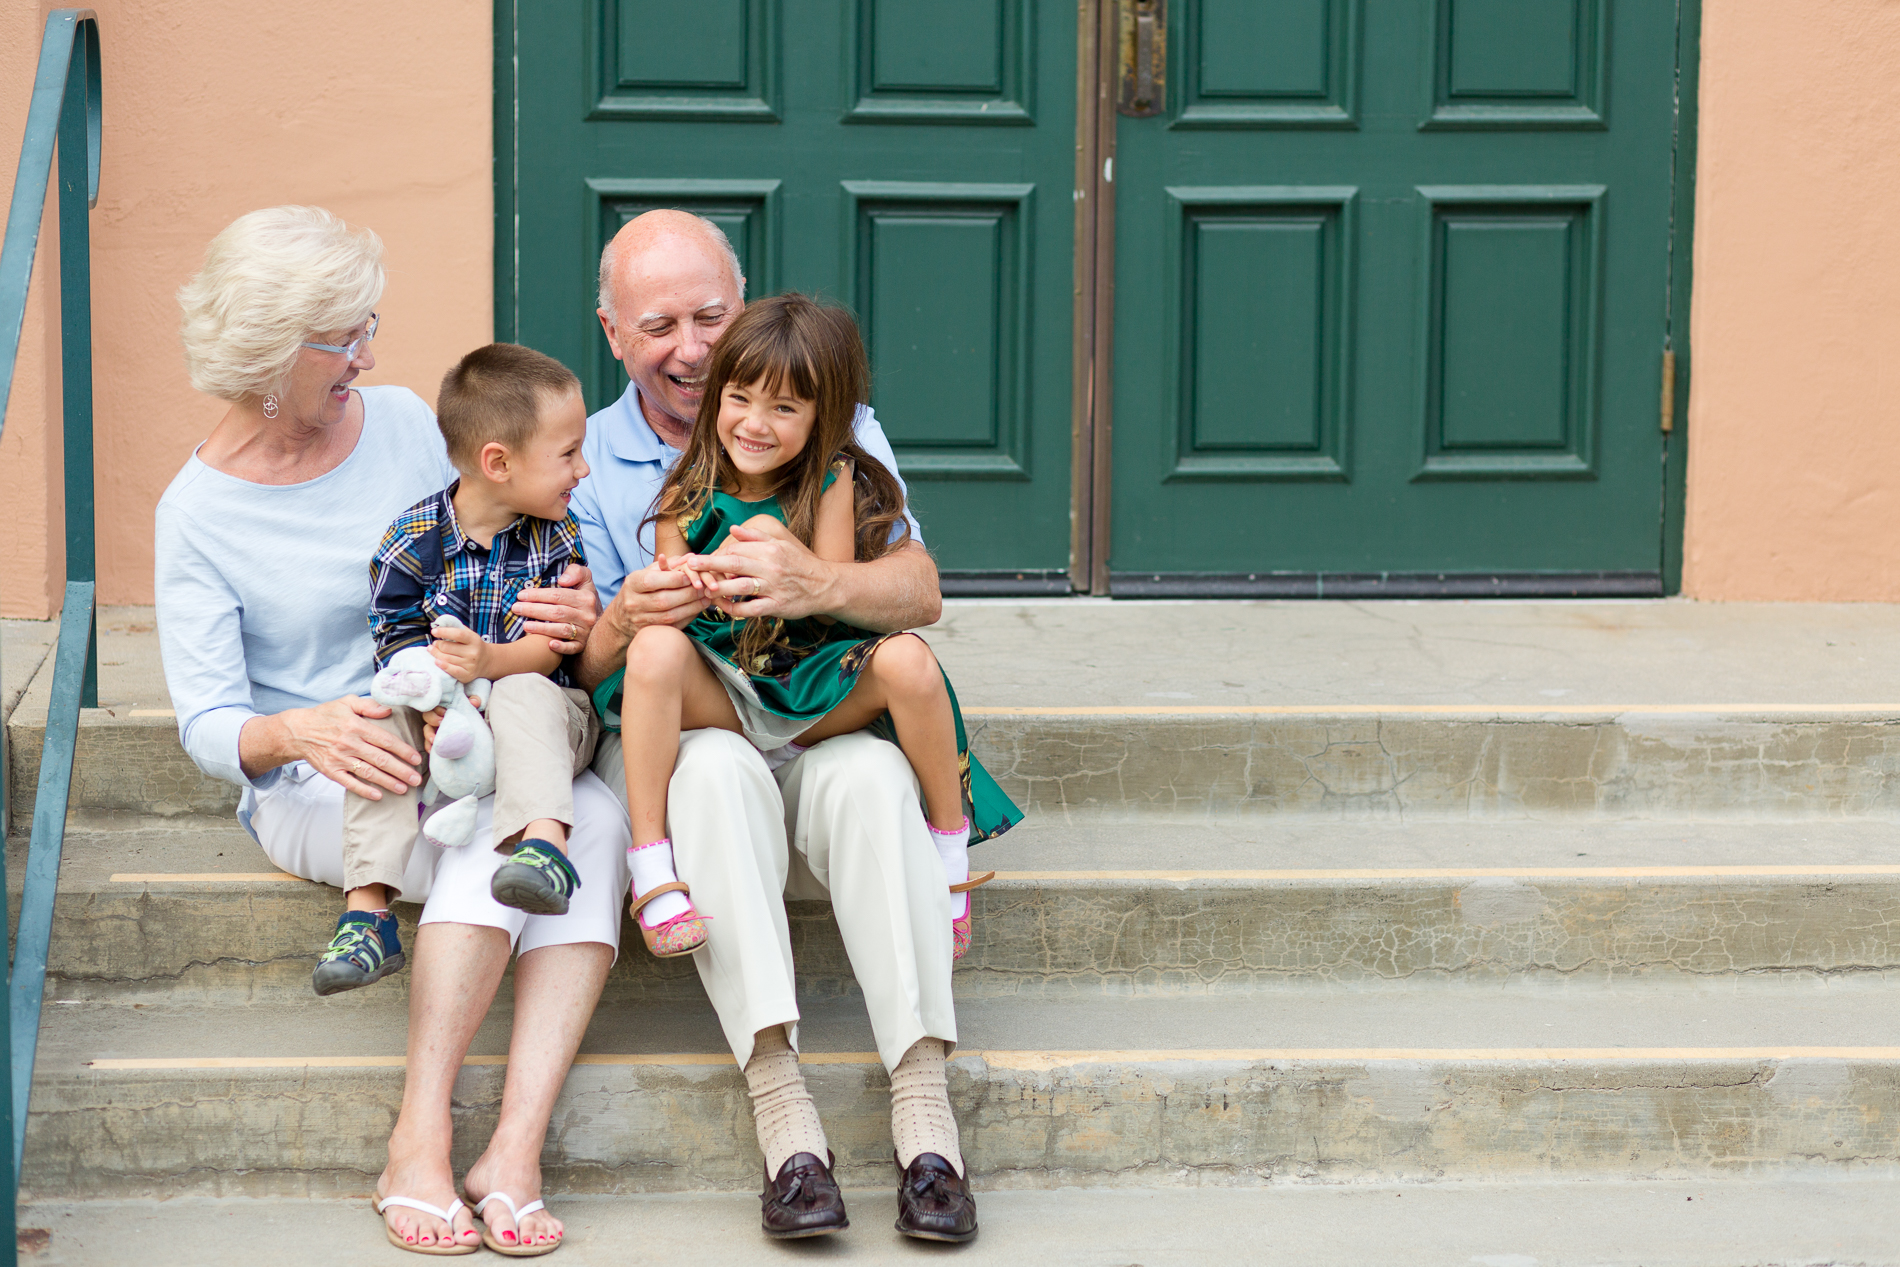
(627,462)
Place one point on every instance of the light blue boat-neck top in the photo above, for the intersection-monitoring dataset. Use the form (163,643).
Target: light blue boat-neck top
(628,461)
(263,589)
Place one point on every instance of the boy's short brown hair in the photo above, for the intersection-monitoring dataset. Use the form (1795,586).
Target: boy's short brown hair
(495,394)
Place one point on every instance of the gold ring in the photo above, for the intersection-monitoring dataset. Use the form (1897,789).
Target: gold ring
(573,632)
(357,766)
(756,587)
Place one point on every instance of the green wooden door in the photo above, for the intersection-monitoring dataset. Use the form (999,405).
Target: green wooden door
(1391,285)
(909,158)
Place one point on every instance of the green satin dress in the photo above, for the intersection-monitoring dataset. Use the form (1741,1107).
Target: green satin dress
(806,672)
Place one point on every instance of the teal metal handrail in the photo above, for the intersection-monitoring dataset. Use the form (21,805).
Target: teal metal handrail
(65,111)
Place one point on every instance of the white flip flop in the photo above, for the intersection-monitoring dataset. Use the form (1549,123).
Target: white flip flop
(517,1250)
(380,1204)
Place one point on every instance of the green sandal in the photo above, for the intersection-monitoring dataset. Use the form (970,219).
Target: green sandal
(363,951)
(537,879)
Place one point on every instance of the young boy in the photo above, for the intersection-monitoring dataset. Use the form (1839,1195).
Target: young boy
(513,420)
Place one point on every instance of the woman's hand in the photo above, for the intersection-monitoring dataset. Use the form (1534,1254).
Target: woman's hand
(347,750)
(564,614)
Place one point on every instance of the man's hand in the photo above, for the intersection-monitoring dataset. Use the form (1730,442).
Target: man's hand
(460,653)
(564,614)
(768,572)
(652,596)
(655,595)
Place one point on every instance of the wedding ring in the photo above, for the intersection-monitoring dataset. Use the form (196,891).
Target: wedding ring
(573,632)
(357,767)
(756,587)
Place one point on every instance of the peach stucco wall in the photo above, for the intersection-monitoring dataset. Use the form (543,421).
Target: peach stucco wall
(380,112)
(1794,407)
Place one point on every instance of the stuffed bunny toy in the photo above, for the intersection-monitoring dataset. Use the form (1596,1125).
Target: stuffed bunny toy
(462,763)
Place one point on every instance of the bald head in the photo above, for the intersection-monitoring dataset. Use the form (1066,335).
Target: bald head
(669,285)
(668,232)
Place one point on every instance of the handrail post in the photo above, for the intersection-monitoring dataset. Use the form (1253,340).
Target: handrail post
(78,189)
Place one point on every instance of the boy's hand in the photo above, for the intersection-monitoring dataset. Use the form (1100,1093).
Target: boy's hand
(461,653)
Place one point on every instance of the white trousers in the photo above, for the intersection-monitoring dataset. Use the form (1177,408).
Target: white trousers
(842,821)
(299,822)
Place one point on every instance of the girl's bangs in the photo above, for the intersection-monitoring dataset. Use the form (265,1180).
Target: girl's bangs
(777,359)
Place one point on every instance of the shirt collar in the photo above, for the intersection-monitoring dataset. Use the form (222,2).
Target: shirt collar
(629,435)
(455,541)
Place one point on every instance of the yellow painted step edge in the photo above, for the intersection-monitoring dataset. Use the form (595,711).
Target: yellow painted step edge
(1334,710)
(1186,877)
(1035,1060)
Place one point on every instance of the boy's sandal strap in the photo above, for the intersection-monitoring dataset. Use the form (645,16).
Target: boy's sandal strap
(671,886)
(973,882)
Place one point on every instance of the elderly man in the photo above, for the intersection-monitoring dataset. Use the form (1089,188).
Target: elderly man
(841,821)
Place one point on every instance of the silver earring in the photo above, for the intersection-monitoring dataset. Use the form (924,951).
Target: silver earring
(270,405)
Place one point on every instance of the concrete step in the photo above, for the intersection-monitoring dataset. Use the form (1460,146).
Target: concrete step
(1659,710)
(1654,1224)
(189,909)
(1702,1080)
(1603,761)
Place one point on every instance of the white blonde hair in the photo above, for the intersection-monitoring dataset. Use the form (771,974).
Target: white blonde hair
(610,261)
(271,280)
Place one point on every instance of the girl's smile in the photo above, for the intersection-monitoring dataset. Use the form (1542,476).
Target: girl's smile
(762,427)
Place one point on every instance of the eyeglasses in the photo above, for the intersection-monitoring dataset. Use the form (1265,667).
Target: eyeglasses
(351,348)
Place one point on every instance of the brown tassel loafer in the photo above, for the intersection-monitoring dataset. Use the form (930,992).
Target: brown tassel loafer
(934,1201)
(804,1200)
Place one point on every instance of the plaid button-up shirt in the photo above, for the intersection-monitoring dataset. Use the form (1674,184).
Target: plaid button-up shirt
(426,568)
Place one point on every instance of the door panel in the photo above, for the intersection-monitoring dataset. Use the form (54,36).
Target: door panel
(1262,292)
(1511,62)
(911,160)
(1420,334)
(1510,326)
(941,292)
(1242,63)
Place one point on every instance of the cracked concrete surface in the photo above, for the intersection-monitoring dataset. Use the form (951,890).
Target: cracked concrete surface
(1237,766)
(1211,1122)
(1057,938)
(1398,767)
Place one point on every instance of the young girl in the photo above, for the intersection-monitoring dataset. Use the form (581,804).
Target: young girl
(773,448)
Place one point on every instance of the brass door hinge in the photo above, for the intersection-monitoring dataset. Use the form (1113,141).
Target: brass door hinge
(1669,390)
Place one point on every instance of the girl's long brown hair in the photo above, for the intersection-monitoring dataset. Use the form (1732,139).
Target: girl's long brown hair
(791,343)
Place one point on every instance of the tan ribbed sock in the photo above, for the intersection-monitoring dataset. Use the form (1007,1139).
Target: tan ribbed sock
(921,1120)
(782,1109)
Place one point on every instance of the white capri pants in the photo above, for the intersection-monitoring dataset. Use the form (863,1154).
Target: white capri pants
(299,822)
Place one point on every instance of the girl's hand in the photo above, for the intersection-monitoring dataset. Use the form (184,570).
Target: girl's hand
(704,584)
(461,653)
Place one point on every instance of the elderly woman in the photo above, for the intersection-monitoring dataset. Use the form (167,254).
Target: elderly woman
(263,543)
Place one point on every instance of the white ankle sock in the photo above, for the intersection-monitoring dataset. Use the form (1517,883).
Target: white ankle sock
(782,1109)
(953,850)
(921,1120)
(653,866)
